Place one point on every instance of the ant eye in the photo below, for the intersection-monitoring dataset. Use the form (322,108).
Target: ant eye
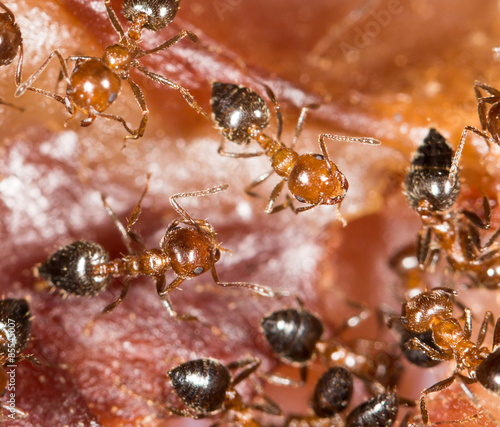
(198,270)
(319,156)
(300,199)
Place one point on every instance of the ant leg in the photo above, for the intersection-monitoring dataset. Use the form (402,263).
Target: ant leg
(309,207)
(19,69)
(277,110)
(264,291)
(270,208)
(176,86)
(250,365)
(27,84)
(139,97)
(416,344)
(362,140)
(468,324)
(114,19)
(182,212)
(441,385)
(134,217)
(233,155)
(424,247)
(109,308)
(488,318)
(169,43)
(301,121)
(163,292)
(118,119)
(256,182)
(496,335)
(474,218)
(286,381)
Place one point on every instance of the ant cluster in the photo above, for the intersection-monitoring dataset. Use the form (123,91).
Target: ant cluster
(429,332)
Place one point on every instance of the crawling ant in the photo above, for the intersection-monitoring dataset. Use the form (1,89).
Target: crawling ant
(207,389)
(313,179)
(95,83)
(15,334)
(431,187)
(332,394)
(11,44)
(189,247)
(295,336)
(433,310)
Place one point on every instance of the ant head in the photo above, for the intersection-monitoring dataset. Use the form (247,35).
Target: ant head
(292,334)
(10,39)
(191,250)
(488,371)
(201,384)
(158,13)
(236,110)
(333,392)
(15,326)
(315,180)
(420,311)
(72,268)
(428,186)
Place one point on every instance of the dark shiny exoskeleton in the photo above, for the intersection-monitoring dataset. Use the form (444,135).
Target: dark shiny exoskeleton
(11,44)
(428,184)
(431,187)
(313,179)
(189,248)
(95,83)
(295,336)
(379,411)
(71,269)
(415,355)
(433,311)
(207,388)
(332,393)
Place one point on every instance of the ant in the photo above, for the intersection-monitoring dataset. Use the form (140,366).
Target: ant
(95,83)
(332,394)
(431,187)
(15,334)
(207,389)
(189,247)
(313,179)
(11,44)
(433,310)
(295,336)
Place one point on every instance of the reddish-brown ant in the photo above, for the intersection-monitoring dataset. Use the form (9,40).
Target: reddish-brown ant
(295,336)
(189,247)
(207,389)
(432,185)
(433,310)
(95,83)
(11,44)
(313,179)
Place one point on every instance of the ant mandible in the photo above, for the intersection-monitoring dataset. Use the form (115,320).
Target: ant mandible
(95,83)
(11,44)
(431,187)
(433,310)
(189,247)
(242,115)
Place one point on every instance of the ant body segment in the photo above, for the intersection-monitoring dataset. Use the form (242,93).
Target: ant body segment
(189,247)
(11,44)
(433,310)
(95,83)
(313,179)
(207,389)
(295,336)
(431,187)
